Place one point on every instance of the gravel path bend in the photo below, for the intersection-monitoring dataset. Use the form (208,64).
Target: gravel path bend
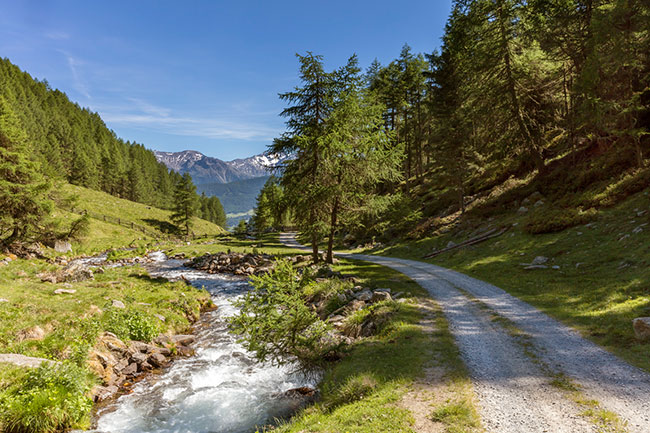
(515,394)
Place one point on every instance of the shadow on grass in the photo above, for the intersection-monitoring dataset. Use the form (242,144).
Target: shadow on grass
(150,280)
(163,226)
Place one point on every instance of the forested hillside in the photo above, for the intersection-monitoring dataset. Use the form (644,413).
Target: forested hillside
(73,143)
(236,197)
(46,138)
(543,97)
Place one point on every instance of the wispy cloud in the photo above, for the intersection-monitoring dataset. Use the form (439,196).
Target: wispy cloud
(149,116)
(57,35)
(78,83)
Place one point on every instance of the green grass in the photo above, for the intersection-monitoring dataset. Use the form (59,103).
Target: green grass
(71,323)
(264,244)
(68,317)
(107,234)
(361,392)
(457,416)
(604,276)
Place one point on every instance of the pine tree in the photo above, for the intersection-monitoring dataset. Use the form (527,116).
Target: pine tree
(358,154)
(185,204)
(23,191)
(312,103)
(217,212)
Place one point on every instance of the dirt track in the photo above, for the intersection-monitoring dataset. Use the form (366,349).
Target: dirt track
(512,375)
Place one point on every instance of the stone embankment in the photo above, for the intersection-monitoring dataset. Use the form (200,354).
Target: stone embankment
(351,301)
(233,263)
(118,364)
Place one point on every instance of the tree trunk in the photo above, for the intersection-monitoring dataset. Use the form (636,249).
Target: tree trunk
(314,248)
(330,242)
(534,150)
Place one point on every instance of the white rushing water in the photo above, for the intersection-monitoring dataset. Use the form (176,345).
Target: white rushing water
(219,390)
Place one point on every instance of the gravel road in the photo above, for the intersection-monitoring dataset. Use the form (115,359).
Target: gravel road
(514,389)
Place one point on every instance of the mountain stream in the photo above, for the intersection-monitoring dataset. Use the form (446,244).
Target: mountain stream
(221,389)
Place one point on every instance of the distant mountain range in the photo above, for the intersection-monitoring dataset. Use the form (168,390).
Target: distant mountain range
(205,169)
(236,182)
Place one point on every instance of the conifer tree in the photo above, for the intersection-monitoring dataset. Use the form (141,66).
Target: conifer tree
(23,191)
(312,103)
(185,204)
(217,212)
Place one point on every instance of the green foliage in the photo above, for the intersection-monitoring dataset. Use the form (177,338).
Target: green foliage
(185,204)
(241,229)
(131,325)
(23,190)
(79,228)
(73,144)
(47,399)
(237,196)
(275,322)
(556,220)
(271,210)
(458,416)
(354,389)
(341,152)
(210,209)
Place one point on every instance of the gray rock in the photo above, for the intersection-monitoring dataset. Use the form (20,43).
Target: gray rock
(64,291)
(22,360)
(160,317)
(539,260)
(365,295)
(162,339)
(62,246)
(539,203)
(139,358)
(353,306)
(118,304)
(183,340)
(641,327)
(451,244)
(368,329)
(341,297)
(102,393)
(522,209)
(531,267)
(157,359)
(556,267)
(378,296)
(121,365)
(130,369)
(74,273)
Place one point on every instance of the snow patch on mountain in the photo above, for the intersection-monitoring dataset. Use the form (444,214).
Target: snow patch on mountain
(205,169)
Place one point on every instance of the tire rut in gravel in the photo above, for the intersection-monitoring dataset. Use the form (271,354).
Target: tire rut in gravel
(514,394)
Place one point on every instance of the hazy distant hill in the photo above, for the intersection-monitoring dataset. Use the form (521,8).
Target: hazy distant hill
(236,197)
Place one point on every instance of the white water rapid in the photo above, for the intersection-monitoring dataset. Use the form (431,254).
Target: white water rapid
(219,390)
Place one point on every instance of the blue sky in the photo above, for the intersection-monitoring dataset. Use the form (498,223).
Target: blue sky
(202,75)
